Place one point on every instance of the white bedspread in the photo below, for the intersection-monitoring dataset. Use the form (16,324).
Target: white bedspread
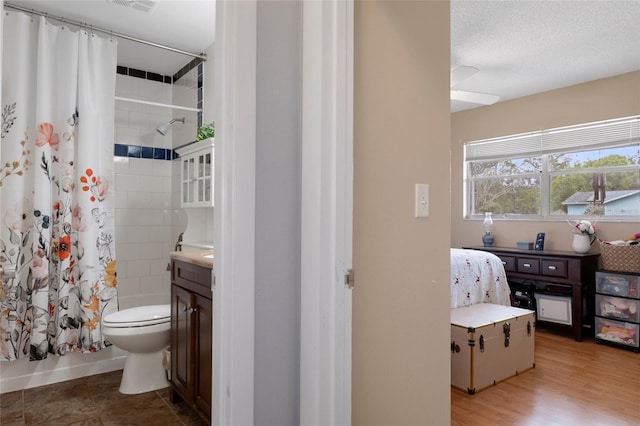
(477,277)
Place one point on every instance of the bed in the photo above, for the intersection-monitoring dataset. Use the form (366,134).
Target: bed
(477,277)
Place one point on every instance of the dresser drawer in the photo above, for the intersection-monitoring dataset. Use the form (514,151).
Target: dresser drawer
(528,265)
(509,263)
(554,268)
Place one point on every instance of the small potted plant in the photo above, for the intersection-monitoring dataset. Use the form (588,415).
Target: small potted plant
(205,131)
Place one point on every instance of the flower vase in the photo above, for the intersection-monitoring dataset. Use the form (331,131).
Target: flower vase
(581,243)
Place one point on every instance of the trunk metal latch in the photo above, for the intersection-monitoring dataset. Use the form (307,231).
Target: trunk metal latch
(506,329)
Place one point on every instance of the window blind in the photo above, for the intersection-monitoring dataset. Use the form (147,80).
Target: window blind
(582,137)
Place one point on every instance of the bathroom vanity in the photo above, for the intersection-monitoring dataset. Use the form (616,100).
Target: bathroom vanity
(191,330)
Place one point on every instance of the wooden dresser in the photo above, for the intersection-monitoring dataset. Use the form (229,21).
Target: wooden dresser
(574,272)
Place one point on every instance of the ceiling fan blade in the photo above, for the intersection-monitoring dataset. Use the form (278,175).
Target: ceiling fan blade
(474,97)
(461,73)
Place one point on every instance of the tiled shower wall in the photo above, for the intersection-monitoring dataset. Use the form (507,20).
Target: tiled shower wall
(147,216)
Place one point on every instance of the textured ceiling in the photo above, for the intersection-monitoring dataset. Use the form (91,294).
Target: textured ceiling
(527,47)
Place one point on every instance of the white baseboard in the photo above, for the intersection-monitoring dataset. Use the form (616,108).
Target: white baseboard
(25,374)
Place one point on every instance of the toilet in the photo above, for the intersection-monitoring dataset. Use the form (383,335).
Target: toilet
(143,332)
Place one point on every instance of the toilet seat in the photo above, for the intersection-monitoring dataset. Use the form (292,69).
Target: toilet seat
(141,316)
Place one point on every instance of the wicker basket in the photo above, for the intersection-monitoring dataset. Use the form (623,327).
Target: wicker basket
(620,258)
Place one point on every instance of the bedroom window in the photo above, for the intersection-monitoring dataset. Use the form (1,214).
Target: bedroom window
(587,169)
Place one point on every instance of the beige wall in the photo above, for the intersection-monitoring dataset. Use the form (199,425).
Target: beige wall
(597,100)
(401,360)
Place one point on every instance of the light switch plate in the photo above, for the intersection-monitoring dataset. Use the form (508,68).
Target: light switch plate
(422,200)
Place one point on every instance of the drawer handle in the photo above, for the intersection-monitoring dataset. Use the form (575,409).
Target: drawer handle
(527,265)
(553,268)
(504,263)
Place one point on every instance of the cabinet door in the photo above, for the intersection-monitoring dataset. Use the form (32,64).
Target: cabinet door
(197,178)
(188,179)
(203,317)
(204,178)
(182,334)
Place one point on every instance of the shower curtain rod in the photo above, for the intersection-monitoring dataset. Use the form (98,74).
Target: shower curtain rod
(102,30)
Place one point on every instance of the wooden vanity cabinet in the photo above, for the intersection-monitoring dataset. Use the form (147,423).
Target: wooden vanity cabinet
(191,336)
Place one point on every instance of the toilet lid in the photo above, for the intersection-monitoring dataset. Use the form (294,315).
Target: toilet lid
(139,316)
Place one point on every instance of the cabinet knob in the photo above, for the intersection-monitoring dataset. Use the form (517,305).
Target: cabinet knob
(553,268)
(527,265)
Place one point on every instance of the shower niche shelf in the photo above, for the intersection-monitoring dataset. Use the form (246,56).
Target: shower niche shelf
(196,160)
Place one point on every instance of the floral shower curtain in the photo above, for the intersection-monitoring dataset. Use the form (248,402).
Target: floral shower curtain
(56,181)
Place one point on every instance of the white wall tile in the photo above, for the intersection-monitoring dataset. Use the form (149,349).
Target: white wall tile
(160,200)
(148,214)
(167,247)
(121,117)
(159,266)
(150,217)
(138,200)
(120,165)
(149,183)
(120,199)
(127,135)
(157,283)
(159,234)
(128,286)
(139,120)
(152,250)
(126,217)
(127,182)
(138,268)
(143,300)
(161,168)
(129,251)
(124,85)
(138,234)
(141,166)
(167,216)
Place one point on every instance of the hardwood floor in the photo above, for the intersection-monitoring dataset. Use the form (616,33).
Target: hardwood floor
(573,383)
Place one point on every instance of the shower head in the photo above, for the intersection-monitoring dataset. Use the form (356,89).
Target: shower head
(165,127)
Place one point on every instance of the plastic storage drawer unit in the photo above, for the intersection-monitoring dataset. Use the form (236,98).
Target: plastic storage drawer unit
(621,332)
(618,308)
(617,284)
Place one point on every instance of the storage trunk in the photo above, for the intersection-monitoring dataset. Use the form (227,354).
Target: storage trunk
(490,343)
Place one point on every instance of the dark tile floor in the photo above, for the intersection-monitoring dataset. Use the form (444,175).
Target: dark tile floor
(94,401)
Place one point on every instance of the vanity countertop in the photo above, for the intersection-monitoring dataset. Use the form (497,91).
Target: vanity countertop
(196,257)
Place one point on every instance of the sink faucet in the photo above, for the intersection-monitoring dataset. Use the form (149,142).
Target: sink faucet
(179,242)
